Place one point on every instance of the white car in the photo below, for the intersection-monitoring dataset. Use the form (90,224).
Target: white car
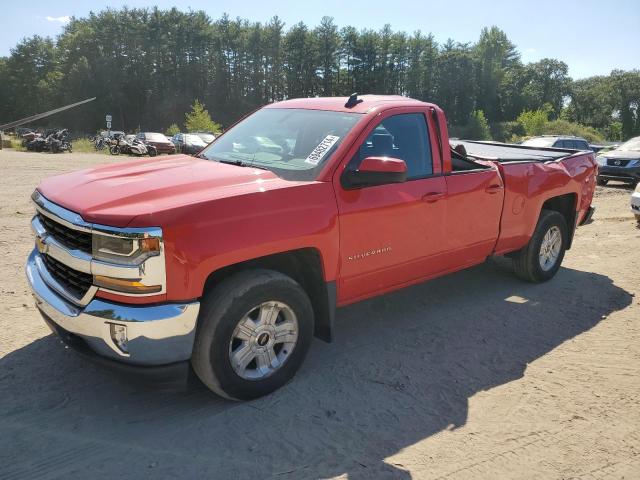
(635,203)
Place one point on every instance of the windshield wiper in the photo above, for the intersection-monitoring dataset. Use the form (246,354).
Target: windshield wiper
(242,163)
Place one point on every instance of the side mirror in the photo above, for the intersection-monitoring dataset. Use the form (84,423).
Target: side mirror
(375,171)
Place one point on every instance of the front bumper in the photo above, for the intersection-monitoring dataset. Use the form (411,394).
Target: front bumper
(158,334)
(623,174)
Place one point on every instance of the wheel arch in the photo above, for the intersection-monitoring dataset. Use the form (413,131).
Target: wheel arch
(305,266)
(566,205)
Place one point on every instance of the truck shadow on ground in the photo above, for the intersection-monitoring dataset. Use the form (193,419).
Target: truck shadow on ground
(402,369)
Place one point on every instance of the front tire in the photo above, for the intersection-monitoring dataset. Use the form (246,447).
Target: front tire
(601,181)
(254,330)
(540,260)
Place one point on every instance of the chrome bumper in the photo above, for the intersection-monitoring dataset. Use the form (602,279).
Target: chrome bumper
(156,335)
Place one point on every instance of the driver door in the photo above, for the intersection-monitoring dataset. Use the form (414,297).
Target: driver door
(392,235)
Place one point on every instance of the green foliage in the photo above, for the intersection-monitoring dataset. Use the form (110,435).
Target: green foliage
(603,100)
(172,130)
(537,122)
(16,144)
(147,65)
(478,127)
(199,120)
(83,145)
(495,55)
(614,132)
(564,127)
(505,131)
(534,122)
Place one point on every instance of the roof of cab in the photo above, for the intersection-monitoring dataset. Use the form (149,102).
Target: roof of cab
(337,104)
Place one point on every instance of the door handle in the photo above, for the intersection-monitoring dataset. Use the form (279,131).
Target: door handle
(493,189)
(433,196)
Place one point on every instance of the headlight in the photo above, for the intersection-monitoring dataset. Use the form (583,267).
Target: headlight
(123,250)
(602,161)
(128,261)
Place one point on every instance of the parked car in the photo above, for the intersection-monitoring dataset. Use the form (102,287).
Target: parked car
(635,203)
(621,164)
(188,143)
(158,140)
(206,137)
(234,259)
(558,141)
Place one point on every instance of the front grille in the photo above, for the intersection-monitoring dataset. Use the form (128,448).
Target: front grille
(69,237)
(617,162)
(77,283)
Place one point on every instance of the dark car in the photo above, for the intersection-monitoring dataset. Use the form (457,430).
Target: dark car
(158,140)
(558,141)
(188,143)
(621,164)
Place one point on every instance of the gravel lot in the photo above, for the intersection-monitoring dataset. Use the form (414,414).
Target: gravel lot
(475,375)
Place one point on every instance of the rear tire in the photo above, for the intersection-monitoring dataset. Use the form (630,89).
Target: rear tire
(540,260)
(229,326)
(601,181)
(114,150)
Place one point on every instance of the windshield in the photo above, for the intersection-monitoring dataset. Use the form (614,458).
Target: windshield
(630,145)
(539,142)
(292,143)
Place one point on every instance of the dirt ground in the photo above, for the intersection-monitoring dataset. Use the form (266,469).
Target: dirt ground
(475,375)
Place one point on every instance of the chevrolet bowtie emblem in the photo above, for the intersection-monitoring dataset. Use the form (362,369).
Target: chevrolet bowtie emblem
(40,245)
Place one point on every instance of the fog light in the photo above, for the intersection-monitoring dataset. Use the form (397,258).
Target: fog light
(119,336)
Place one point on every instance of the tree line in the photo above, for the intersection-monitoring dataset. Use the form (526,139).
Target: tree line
(147,66)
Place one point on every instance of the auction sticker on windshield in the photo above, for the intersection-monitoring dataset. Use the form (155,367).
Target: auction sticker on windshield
(321,150)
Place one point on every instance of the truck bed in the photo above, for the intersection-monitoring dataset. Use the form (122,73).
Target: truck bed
(502,152)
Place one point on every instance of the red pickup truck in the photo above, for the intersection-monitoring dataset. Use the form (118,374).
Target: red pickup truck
(235,259)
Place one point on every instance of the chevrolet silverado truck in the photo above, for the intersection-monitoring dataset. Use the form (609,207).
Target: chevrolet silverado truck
(233,260)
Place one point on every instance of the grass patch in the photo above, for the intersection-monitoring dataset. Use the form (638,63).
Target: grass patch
(83,145)
(16,144)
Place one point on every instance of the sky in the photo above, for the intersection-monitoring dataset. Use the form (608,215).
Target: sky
(592,36)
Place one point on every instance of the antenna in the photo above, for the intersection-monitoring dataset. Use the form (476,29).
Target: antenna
(353,101)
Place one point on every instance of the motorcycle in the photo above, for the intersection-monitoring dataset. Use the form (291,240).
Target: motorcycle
(59,141)
(139,149)
(119,145)
(136,147)
(99,143)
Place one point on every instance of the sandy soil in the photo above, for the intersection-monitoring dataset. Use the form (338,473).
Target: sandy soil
(475,375)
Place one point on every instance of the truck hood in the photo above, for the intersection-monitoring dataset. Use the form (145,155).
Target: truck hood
(626,154)
(116,194)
